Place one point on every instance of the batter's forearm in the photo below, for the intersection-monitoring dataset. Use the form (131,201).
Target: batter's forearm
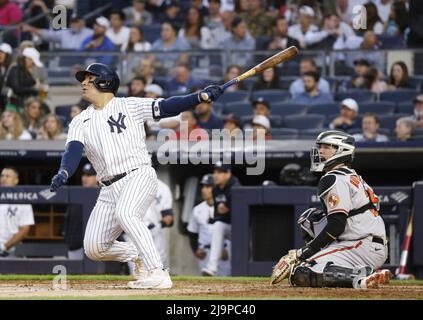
(18,237)
(72,157)
(173,106)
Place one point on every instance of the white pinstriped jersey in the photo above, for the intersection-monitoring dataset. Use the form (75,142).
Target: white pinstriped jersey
(348,193)
(162,202)
(114,137)
(198,222)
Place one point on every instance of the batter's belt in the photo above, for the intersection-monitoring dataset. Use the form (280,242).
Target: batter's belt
(115,178)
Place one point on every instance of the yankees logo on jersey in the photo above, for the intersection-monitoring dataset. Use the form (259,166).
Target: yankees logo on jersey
(11,212)
(119,123)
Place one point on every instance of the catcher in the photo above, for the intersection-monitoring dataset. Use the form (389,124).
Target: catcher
(345,242)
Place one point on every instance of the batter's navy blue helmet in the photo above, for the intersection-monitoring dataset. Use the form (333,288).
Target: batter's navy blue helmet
(107,80)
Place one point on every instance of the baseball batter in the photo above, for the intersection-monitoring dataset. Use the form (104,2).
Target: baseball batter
(111,130)
(201,229)
(352,244)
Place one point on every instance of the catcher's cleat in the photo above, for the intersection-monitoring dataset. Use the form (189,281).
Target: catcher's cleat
(369,282)
(385,276)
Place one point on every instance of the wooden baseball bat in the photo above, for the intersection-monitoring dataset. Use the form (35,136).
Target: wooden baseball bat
(405,250)
(279,57)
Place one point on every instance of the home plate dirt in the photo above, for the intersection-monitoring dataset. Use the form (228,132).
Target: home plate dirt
(195,289)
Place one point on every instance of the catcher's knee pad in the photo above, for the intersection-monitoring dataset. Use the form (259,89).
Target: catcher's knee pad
(343,277)
(303,276)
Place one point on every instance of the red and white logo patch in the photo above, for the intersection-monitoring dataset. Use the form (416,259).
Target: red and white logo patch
(333,200)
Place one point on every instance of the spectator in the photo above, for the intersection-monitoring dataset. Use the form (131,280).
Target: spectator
(383,9)
(361,67)
(199,5)
(118,33)
(223,32)
(370,126)
(201,230)
(369,46)
(373,81)
(67,39)
(415,36)
(233,71)
(398,77)
(261,107)
(99,41)
(136,88)
(32,117)
(261,124)
(182,82)
(280,38)
(418,112)
(52,129)
(25,78)
(146,70)
(348,116)
(404,129)
(268,79)
(312,93)
(307,64)
(206,118)
(170,12)
(232,124)
(239,40)
(224,182)
(398,20)
(5,61)
(15,219)
(214,18)
(257,20)
(304,28)
(11,127)
(374,22)
(75,110)
(73,225)
(188,129)
(334,33)
(10,15)
(137,15)
(170,42)
(153,91)
(136,42)
(343,12)
(195,32)
(25,44)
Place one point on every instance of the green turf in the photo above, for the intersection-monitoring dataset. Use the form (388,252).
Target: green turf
(120,278)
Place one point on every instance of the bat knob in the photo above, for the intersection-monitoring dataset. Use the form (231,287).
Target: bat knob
(204,97)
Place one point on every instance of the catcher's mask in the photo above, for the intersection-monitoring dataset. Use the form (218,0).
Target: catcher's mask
(344,144)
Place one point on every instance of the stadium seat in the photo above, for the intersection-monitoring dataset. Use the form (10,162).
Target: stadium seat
(234,96)
(290,69)
(405,107)
(324,108)
(241,108)
(287,109)
(275,121)
(417,134)
(151,32)
(63,110)
(398,95)
(271,95)
(285,83)
(358,95)
(388,121)
(416,82)
(310,133)
(311,121)
(391,42)
(382,107)
(283,133)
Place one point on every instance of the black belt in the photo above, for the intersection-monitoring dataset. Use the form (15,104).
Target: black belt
(360,210)
(378,240)
(116,178)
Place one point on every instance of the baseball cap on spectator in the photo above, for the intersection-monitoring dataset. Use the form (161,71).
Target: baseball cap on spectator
(207,180)
(261,100)
(419,98)
(232,118)
(262,121)
(154,88)
(34,55)
(6,48)
(307,11)
(88,170)
(350,104)
(103,22)
(362,62)
(220,166)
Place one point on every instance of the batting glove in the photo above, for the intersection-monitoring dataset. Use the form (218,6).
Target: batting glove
(213,93)
(58,180)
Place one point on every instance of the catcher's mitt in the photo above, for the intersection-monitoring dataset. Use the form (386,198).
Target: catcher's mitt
(283,268)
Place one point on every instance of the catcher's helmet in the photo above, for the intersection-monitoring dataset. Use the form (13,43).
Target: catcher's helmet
(107,80)
(344,144)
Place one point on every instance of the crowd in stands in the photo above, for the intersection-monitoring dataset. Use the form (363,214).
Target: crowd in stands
(275,102)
